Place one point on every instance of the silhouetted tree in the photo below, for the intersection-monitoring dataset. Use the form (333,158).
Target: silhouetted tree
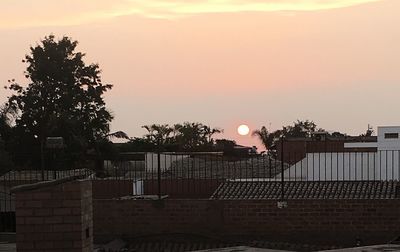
(195,136)
(369,132)
(181,137)
(264,136)
(158,134)
(6,116)
(302,129)
(64,97)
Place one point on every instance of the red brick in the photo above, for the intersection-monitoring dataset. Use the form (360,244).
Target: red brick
(62,227)
(34,203)
(35,237)
(24,196)
(42,212)
(72,236)
(76,211)
(72,219)
(55,236)
(33,220)
(78,244)
(63,244)
(71,203)
(44,245)
(24,212)
(42,195)
(62,211)
(25,246)
(53,220)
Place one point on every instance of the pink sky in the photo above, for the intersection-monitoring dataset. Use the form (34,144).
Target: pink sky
(333,61)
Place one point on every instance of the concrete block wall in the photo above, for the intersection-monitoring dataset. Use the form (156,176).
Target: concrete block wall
(54,216)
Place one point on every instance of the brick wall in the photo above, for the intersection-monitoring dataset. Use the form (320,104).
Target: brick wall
(305,221)
(54,216)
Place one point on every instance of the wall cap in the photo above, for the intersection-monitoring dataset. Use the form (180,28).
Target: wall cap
(43,184)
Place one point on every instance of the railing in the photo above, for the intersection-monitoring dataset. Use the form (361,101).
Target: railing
(343,166)
(336,175)
(203,175)
(195,175)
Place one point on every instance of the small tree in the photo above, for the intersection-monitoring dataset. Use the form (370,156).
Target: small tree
(264,136)
(303,129)
(158,134)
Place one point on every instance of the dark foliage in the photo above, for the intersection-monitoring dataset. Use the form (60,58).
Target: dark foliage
(63,98)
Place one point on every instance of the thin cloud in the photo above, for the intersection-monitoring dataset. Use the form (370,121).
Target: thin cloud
(28,13)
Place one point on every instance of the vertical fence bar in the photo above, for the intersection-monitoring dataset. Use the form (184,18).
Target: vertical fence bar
(337,166)
(282,171)
(380,165)
(319,166)
(386,165)
(325,164)
(42,165)
(313,168)
(375,166)
(355,166)
(289,161)
(398,165)
(295,167)
(349,165)
(362,165)
(392,165)
(159,173)
(270,167)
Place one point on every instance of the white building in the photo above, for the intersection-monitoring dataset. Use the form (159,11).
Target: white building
(382,164)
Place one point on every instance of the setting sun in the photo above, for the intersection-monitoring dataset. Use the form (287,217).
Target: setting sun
(243,130)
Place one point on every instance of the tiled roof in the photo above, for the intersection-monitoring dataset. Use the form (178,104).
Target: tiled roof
(216,168)
(308,190)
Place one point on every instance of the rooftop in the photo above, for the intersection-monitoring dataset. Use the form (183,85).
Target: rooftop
(308,190)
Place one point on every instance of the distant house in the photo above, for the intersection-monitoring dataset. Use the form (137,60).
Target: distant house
(347,158)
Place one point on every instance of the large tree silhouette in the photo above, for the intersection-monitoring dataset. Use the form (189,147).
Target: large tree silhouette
(64,96)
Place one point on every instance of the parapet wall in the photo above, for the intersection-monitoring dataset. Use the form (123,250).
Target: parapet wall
(308,221)
(55,216)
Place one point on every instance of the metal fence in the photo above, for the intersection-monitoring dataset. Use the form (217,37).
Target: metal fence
(213,175)
(201,174)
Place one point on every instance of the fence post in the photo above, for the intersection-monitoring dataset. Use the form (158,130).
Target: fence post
(159,170)
(282,171)
(42,165)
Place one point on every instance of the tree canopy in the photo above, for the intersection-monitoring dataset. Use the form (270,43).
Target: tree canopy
(64,97)
(303,129)
(188,136)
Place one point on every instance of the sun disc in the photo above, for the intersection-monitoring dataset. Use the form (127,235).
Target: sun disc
(243,130)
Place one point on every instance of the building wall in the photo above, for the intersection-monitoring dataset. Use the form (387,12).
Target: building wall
(296,150)
(306,221)
(388,143)
(381,165)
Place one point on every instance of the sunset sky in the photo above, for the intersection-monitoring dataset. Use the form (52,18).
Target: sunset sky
(225,62)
